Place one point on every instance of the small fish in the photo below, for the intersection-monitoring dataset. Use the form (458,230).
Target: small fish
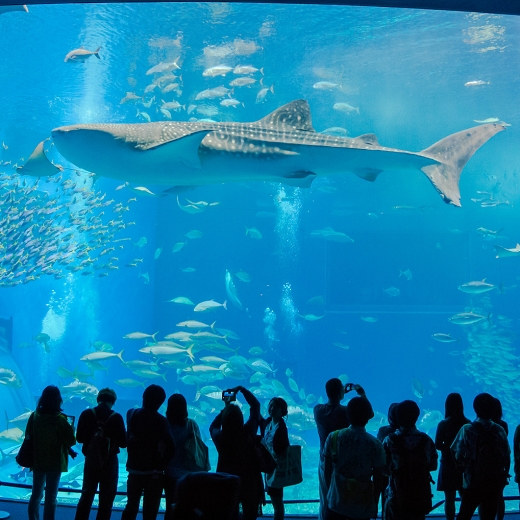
(478,287)
(128,383)
(417,388)
(164,67)
(144,115)
(182,299)
(157,253)
(393,292)
(81,54)
(262,94)
(311,317)
(476,83)
(173,105)
(146,277)
(468,318)
(325,85)
(407,274)
(257,351)
(130,96)
(246,69)
(194,234)
(243,82)
(141,242)
(178,246)
(231,102)
(209,305)
(345,107)
(188,270)
(443,338)
(140,335)
(253,233)
(218,70)
(369,319)
(341,345)
(243,276)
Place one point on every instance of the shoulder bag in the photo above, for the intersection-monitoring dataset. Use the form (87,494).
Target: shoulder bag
(197,453)
(25,456)
(288,471)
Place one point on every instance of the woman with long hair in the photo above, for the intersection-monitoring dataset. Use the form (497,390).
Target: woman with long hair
(52,438)
(183,430)
(237,451)
(450,476)
(276,440)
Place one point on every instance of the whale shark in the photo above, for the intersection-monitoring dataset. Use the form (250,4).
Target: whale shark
(281,147)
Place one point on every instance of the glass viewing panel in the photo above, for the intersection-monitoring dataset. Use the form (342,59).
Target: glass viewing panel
(277,235)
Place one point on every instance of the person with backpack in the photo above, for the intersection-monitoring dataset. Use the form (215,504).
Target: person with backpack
(482,449)
(449,478)
(329,417)
(102,432)
(150,446)
(354,465)
(411,456)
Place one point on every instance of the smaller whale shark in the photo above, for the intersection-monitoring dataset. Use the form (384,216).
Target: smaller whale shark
(281,147)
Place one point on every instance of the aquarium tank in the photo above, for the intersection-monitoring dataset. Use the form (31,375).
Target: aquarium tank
(202,195)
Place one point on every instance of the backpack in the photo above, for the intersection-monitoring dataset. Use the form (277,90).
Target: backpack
(412,478)
(99,446)
(488,470)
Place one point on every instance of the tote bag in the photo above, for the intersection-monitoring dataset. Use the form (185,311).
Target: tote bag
(197,453)
(25,457)
(288,471)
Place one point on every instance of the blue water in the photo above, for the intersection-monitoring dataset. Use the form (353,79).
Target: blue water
(406,72)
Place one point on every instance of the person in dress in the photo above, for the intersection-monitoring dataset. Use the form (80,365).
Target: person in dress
(449,478)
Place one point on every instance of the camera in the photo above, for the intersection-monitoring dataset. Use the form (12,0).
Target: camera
(71,419)
(228,395)
(349,387)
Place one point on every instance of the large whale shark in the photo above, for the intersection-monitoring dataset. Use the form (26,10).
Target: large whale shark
(281,147)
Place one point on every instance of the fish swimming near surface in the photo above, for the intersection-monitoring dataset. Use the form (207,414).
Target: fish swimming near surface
(199,153)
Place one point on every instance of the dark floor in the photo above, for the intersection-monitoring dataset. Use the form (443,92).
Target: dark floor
(18,511)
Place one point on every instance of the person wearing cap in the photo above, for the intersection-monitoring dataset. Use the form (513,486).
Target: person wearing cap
(105,475)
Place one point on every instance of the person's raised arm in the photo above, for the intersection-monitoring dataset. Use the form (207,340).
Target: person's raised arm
(251,400)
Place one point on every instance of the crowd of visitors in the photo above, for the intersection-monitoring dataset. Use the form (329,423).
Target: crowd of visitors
(356,470)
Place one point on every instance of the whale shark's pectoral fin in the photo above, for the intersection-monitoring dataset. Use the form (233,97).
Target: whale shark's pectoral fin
(299,179)
(369,174)
(295,115)
(37,165)
(452,154)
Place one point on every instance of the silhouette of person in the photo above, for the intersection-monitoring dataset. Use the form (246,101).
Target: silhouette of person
(52,438)
(449,478)
(411,456)
(106,475)
(481,447)
(497,418)
(236,447)
(150,447)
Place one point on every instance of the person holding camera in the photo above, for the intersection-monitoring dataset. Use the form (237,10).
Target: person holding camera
(276,440)
(330,417)
(236,447)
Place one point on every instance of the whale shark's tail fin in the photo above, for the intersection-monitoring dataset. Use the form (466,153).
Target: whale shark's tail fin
(452,153)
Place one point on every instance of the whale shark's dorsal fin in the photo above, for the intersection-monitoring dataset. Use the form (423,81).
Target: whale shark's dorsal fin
(295,115)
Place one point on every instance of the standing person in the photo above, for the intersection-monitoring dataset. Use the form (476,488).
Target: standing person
(150,447)
(482,449)
(411,456)
(183,430)
(354,463)
(52,437)
(449,479)
(237,453)
(102,433)
(382,433)
(516,456)
(330,417)
(497,418)
(276,439)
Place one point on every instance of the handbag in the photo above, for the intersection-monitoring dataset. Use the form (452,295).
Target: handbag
(25,456)
(288,471)
(266,461)
(197,452)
